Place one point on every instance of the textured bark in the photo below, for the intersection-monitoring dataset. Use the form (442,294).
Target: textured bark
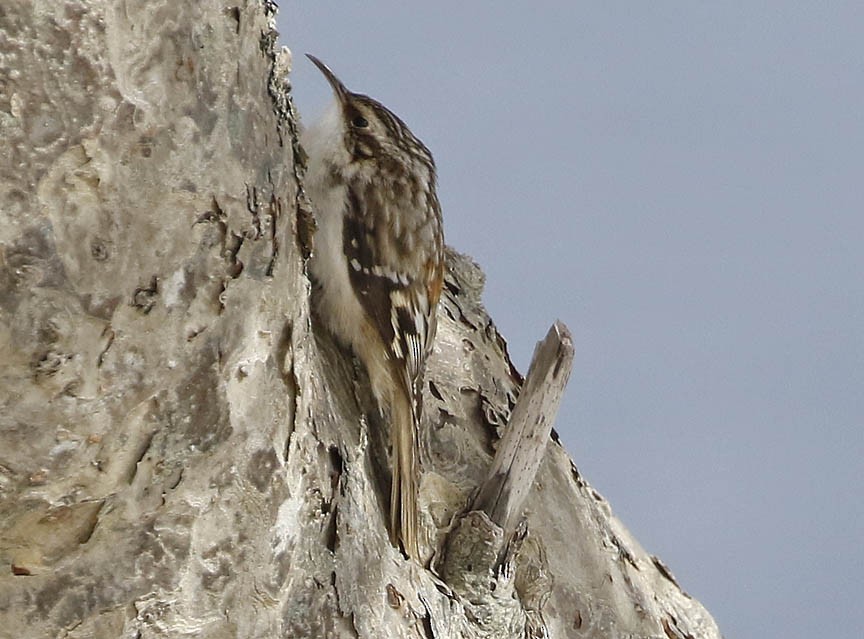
(523,443)
(180,454)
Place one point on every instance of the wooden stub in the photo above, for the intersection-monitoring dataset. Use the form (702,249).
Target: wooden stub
(521,449)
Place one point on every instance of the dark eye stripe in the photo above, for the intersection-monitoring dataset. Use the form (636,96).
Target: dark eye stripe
(394,126)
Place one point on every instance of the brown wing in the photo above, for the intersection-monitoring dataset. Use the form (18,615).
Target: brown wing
(400,304)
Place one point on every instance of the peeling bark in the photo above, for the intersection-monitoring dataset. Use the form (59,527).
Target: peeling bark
(180,453)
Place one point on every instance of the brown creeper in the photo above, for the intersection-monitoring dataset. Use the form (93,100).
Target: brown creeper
(378,266)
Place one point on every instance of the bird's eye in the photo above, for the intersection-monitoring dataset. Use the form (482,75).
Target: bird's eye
(360,122)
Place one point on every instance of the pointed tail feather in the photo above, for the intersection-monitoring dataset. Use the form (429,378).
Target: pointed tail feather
(403,492)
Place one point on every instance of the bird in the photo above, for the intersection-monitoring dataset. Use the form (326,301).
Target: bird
(378,267)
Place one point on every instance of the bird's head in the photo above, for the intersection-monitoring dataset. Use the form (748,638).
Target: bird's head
(373,134)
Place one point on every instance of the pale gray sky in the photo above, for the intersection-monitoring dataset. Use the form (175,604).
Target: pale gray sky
(682,184)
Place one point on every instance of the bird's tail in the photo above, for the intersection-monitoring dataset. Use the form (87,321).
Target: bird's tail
(404,486)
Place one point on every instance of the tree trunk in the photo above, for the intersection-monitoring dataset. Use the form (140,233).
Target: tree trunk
(181,454)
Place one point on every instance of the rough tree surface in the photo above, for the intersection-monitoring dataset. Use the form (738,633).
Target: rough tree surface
(180,454)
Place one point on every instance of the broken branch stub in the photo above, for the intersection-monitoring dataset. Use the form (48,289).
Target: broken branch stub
(521,448)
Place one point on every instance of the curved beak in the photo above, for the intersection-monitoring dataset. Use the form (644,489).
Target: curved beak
(338,88)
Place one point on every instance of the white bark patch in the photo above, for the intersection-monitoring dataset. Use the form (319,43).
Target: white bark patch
(172,287)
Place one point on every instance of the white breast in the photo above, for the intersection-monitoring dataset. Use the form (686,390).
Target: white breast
(337,305)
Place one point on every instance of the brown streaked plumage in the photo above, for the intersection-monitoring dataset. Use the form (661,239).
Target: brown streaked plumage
(378,266)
